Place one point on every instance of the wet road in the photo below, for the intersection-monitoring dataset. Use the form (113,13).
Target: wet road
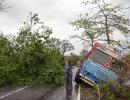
(63,93)
(78,92)
(23,93)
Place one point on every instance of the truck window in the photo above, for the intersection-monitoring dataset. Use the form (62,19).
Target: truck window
(100,57)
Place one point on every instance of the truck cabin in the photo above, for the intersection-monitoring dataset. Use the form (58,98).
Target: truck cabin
(103,54)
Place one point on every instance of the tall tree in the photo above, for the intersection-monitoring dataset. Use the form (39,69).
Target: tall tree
(101,20)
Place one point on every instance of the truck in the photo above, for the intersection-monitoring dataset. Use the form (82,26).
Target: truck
(97,65)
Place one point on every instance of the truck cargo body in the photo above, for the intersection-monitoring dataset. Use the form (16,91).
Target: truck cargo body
(95,73)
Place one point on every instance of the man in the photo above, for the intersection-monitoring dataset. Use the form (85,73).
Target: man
(77,77)
(78,64)
(68,74)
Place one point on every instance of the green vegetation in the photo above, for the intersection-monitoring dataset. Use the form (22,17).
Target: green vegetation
(73,58)
(113,91)
(31,57)
(117,90)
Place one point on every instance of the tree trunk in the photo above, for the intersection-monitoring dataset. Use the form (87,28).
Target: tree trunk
(107,32)
(92,42)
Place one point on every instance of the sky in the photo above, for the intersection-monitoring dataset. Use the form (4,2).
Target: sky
(56,14)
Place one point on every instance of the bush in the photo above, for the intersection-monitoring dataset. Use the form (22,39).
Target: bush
(113,91)
(29,58)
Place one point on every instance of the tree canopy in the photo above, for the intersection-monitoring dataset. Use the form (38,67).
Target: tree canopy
(101,20)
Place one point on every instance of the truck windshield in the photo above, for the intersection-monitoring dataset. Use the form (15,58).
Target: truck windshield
(100,57)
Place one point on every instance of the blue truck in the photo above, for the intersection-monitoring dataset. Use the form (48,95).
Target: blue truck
(97,65)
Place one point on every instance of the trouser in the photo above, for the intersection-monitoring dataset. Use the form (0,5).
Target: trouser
(69,80)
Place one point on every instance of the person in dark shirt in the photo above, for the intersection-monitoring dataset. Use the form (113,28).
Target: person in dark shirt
(68,74)
(77,77)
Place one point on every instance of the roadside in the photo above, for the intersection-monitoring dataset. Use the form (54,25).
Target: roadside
(23,93)
(38,92)
(8,89)
(48,93)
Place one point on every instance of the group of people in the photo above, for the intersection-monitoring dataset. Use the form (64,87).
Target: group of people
(69,73)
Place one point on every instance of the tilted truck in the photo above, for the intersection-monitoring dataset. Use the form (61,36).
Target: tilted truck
(97,65)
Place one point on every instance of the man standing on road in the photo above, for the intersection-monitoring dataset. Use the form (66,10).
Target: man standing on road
(77,77)
(79,64)
(68,74)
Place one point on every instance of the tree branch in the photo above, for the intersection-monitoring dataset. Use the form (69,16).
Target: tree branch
(117,43)
(76,36)
(113,9)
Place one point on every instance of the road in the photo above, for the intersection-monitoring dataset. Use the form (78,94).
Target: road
(63,93)
(79,92)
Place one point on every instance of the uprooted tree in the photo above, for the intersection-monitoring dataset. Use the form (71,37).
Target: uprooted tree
(100,22)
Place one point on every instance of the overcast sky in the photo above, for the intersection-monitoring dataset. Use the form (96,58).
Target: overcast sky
(56,14)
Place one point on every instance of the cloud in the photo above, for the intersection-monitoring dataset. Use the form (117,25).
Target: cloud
(54,13)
